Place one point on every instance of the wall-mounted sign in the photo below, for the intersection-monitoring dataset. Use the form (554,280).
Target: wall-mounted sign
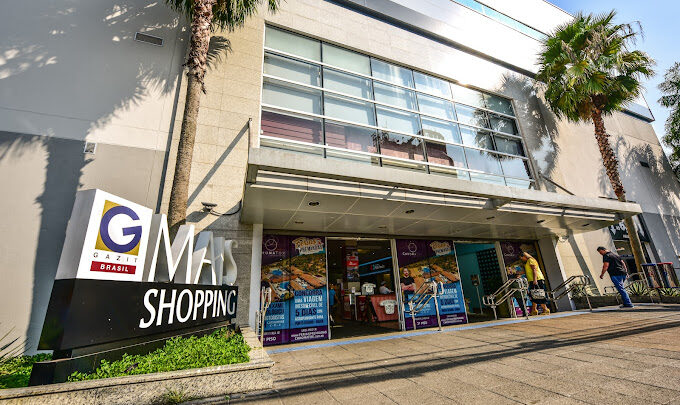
(120,279)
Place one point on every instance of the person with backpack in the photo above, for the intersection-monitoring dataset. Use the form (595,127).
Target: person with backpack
(616,267)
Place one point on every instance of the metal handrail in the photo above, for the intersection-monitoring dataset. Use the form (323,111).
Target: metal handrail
(422,296)
(569,285)
(505,292)
(265,300)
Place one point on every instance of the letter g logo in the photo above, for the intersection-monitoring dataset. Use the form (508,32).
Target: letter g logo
(104,240)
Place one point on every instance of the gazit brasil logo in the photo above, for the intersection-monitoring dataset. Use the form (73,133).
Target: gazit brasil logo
(118,240)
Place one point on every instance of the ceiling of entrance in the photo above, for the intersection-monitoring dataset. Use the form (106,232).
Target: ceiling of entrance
(293,202)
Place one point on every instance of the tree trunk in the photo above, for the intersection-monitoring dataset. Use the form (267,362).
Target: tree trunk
(611,166)
(196,65)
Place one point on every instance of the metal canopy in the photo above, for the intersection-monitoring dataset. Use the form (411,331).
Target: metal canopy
(314,194)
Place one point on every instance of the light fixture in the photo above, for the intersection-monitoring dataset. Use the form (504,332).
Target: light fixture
(208,206)
(409,211)
(313,203)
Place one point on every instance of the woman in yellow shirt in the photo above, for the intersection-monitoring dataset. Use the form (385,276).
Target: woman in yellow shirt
(536,280)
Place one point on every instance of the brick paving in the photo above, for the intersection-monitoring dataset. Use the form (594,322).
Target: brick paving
(608,357)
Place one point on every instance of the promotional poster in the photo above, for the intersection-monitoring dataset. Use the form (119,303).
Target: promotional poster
(295,269)
(425,260)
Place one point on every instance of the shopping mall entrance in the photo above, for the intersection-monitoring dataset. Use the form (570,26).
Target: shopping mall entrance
(361,287)
(328,287)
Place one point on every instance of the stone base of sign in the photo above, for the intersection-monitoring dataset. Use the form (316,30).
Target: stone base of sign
(256,375)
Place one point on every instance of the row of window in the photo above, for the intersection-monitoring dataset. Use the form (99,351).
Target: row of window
(325,99)
(502,18)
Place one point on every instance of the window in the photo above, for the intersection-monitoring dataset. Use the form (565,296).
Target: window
(346,59)
(329,101)
(349,109)
(291,69)
(432,85)
(290,43)
(293,97)
(351,85)
(436,106)
(395,96)
(440,130)
(391,73)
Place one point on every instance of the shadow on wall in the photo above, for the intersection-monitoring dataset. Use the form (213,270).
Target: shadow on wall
(71,54)
(657,181)
(537,124)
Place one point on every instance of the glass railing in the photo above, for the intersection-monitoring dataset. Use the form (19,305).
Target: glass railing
(502,18)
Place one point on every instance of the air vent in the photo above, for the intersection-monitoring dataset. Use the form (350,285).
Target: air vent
(149,39)
(644,164)
(90,147)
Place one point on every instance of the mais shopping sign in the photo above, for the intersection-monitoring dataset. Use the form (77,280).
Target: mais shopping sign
(120,279)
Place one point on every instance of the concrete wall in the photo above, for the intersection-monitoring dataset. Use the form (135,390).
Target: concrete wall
(71,72)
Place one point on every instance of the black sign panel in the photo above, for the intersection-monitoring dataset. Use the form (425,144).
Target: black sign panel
(93,312)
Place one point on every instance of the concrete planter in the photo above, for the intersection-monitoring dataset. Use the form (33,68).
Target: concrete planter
(153,388)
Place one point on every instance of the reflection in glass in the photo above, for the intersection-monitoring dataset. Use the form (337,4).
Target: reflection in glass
(349,109)
(432,85)
(291,43)
(292,70)
(436,106)
(518,183)
(450,172)
(291,96)
(397,120)
(471,116)
(483,161)
(401,146)
(293,127)
(447,155)
(504,125)
(345,83)
(351,137)
(440,130)
(346,59)
(475,137)
(487,178)
(510,146)
(515,167)
(499,104)
(391,73)
(395,96)
(467,96)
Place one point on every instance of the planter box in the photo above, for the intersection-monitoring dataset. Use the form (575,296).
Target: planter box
(152,388)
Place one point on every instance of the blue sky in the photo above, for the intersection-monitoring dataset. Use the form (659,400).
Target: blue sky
(660,20)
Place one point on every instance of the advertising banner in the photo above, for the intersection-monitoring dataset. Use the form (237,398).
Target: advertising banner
(295,269)
(426,260)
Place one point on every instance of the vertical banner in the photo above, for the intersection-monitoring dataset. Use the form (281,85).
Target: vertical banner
(295,269)
(309,307)
(444,269)
(276,275)
(424,260)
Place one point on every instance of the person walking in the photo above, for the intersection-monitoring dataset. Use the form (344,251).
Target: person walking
(536,281)
(616,267)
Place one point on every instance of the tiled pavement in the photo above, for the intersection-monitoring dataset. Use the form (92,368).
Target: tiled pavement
(609,357)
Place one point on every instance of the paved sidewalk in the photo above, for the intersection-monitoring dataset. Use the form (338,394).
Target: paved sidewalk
(608,357)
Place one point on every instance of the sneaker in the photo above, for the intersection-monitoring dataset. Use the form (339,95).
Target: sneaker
(627,306)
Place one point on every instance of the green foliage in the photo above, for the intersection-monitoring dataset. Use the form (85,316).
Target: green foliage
(669,292)
(219,348)
(227,14)
(15,371)
(587,64)
(637,289)
(579,291)
(671,99)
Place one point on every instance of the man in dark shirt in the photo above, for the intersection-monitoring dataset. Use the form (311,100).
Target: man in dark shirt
(616,267)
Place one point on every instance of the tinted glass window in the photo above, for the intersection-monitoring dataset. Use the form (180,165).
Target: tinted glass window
(351,137)
(499,104)
(288,126)
(471,116)
(501,124)
(432,85)
(440,130)
(293,97)
(436,106)
(510,146)
(476,138)
(345,83)
(293,44)
(346,59)
(398,120)
(483,161)
(391,73)
(349,109)
(467,96)
(401,146)
(448,155)
(396,96)
(292,70)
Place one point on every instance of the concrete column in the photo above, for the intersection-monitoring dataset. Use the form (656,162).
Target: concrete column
(554,269)
(255,270)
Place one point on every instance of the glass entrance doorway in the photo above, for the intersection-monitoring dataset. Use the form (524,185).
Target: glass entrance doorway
(362,298)
(480,275)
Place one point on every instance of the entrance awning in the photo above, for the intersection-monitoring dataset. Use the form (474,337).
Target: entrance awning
(290,191)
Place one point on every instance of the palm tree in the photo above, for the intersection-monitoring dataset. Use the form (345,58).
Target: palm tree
(589,71)
(205,16)
(671,99)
